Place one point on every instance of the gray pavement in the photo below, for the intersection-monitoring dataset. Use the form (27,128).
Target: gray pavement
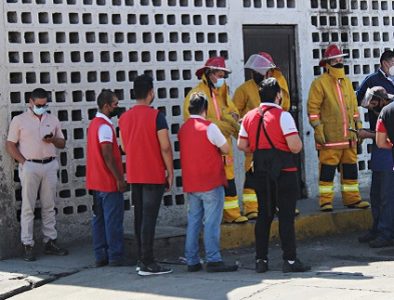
(341,269)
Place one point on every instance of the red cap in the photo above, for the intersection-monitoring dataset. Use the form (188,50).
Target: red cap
(214,63)
(331,52)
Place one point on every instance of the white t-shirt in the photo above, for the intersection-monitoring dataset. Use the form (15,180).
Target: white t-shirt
(214,135)
(105,133)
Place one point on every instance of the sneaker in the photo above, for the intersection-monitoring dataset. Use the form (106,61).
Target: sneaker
(101,263)
(194,268)
(138,266)
(367,237)
(52,249)
(380,243)
(28,253)
(261,266)
(153,269)
(297,266)
(219,266)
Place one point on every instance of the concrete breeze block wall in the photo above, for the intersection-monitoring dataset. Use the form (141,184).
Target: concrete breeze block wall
(75,48)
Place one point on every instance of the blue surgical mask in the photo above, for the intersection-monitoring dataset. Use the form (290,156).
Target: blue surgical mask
(39,110)
(219,83)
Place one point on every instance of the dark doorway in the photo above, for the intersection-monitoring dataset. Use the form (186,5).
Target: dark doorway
(279,41)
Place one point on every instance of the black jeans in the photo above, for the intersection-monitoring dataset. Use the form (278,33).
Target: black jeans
(282,193)
(146,199)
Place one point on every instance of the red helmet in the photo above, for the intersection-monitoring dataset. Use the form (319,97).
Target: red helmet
(331,52)
(267,56)
(214,63)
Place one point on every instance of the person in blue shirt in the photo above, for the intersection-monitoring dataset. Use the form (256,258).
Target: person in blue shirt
(378,85)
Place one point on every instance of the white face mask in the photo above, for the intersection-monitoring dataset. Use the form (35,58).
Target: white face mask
(39,110)
(391,71)
(219,83)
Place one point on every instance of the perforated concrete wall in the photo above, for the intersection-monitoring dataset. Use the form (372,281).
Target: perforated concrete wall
(75,48)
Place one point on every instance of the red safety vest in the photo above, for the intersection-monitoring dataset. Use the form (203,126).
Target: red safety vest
(201,161)
(98,176)
(144,163)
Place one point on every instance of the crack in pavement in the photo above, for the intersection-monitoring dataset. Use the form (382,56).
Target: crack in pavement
(259,291)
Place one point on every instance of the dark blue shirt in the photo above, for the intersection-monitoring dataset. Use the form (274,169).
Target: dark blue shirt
(381,159)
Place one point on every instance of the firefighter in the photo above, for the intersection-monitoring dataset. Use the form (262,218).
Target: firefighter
(224,114)
(334,116)
(246,98)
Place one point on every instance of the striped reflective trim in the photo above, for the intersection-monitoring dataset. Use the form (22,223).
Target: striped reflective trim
(231,204)
(326,189)
(314,117)
(249,198)
(343,110)
(350,187)
(336,144)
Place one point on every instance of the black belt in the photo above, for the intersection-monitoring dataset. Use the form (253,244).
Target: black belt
(42,161)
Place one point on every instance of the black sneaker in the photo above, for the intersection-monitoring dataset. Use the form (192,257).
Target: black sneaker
(52,249)
(28,253)
(194,268)
(297,266)
(380,243)
(219,266)
(101,263)
(261,266)
(138,266)
(153,269)
(366,238)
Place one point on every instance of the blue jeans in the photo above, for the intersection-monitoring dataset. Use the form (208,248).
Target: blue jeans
(107,223)
(382,204)
(204,208)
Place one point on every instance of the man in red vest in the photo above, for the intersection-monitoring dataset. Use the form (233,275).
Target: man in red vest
(271,135)
(201,145)
(149,168)
(104,176)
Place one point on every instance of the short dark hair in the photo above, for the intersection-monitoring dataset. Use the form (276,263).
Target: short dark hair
(142,85)
(386,56)
(106,97)
(39,93)
(268,90)
(198,103)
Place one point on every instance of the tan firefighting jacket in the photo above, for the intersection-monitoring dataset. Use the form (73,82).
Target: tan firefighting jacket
(333,104)
(227,124)
(246,96)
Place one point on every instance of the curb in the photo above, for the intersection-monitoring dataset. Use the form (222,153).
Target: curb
(306,226)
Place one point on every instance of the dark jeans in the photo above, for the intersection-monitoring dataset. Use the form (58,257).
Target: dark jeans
(283,194)
(146,199)
(107,225)
(382,204)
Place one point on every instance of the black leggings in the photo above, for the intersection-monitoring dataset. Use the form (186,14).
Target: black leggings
(283,194)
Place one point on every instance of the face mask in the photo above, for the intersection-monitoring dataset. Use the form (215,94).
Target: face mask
(338,66)
(257,77)
(219,83)
(391,71)
(335,72)
(39,110)
(115,112)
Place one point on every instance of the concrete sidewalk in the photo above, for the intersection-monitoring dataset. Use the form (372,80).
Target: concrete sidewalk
(17,276)
(341,269)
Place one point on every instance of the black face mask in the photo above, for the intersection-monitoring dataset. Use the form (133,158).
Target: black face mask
(338,66)
(115,112)
(257,77)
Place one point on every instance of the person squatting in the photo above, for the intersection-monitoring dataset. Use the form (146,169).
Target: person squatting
(257,117)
